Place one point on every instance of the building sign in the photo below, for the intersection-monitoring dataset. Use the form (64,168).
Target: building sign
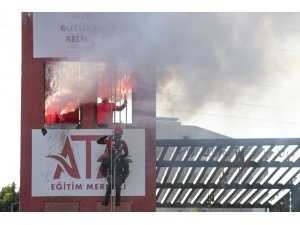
(64,162)
(71,35)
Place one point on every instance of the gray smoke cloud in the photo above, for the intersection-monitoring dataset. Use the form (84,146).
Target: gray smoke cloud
(206,55)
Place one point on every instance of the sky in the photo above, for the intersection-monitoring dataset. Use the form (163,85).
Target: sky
(10,96)
(239,76)
(232,73)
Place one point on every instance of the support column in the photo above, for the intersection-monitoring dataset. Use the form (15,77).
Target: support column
(296,199)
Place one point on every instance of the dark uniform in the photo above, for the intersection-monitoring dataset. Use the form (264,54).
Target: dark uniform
(114,165)
(117,170)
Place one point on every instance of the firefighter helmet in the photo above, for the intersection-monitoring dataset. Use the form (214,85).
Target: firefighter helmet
(118,129)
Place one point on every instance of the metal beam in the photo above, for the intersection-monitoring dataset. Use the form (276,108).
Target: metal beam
(178,193)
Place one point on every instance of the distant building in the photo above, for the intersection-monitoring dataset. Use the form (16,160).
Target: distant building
(171,128)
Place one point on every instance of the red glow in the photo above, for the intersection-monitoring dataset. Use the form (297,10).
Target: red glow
(69,85)
(68,117)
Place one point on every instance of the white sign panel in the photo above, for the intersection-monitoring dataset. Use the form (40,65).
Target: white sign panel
(70,35)
(64,162)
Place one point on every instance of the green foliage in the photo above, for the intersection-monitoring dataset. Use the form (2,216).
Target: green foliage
(9,198)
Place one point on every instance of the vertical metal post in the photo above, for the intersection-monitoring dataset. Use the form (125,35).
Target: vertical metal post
(126,98)
(115,94)
(120,93)
(80,101)
(115,101)
(290,193)
(111,149)
(12,206)
(114,206)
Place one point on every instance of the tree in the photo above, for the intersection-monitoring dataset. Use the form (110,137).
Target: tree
(9,198)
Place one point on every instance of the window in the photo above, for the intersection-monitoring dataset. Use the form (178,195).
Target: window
(71,85)
(62,103)
(114,99)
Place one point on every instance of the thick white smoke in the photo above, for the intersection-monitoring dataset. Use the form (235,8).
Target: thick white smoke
(200,55)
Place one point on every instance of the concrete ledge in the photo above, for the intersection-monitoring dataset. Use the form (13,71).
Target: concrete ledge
(61,206)
(124,207)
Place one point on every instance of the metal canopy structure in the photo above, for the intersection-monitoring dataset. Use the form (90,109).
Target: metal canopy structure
(231,173)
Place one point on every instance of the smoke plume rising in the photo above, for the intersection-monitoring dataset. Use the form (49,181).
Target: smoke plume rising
(199,55)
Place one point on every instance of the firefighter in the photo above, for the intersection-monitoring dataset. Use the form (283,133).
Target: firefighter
(114,163)
(105,111)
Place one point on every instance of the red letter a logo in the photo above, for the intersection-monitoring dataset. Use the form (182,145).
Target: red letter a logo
(71,170)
